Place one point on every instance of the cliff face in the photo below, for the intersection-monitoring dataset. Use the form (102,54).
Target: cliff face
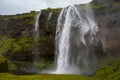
(17,25)
(107,15)
(17,31)
(17,35)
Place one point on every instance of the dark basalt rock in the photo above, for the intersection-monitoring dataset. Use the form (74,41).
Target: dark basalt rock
(108,21)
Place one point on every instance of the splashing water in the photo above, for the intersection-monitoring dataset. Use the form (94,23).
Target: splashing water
(76,36)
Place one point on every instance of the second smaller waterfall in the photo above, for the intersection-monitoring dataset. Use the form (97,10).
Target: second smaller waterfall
(50,15)
(36,38)
(36,31)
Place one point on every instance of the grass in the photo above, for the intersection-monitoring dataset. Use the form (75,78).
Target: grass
(7,76)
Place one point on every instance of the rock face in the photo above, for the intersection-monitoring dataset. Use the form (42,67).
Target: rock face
(18,31)
(17,25)
(108,20)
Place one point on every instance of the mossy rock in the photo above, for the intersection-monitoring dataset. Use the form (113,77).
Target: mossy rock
(3,65)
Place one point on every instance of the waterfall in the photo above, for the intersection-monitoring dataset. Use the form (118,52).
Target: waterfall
(36,39)
(31,68)
(49,17)
(36,31)
(76,38)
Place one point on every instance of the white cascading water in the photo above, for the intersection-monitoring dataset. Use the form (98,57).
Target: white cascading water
(50,15)
(36,31)
(36,39)
(76,36)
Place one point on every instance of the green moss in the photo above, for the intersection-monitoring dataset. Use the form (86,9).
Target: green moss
(23,44)
(44,63)
(115,76)
(1,26)
(42,39)
(109,72)
(5,45)
(98,6)
(6,19)
(12,48)
(12,66)
(2,59)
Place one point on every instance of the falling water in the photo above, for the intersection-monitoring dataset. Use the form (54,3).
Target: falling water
(36,35)
(36,39)
(36,31)
(49,17)
(30,68)
(76,38)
